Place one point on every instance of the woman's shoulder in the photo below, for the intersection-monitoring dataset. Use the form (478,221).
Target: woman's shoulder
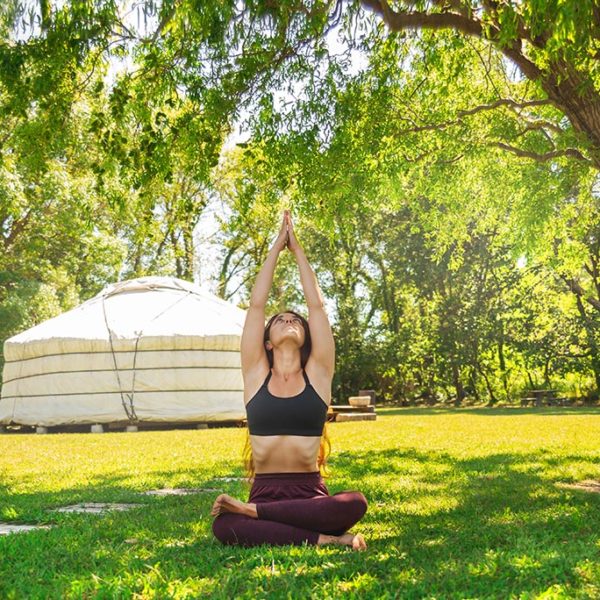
(320,379)
(254,380)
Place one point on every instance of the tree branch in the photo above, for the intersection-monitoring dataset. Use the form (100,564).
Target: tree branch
(420,20)
(472,111)
(399,21)
(537,127)
(17,226)
(576,288)
(505,102)
(164,21)
(572,152)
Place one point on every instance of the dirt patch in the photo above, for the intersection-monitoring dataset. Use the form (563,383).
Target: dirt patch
(589,485)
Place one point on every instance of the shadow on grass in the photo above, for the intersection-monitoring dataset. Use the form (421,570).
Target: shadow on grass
(437,525)
(38,506)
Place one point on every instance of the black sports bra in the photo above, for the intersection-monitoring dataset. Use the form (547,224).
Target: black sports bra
(303,414)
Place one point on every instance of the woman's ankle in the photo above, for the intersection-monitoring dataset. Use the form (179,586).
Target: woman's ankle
(355,541)
(327,539)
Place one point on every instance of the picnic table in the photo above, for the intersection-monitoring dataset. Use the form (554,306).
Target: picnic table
(544,398)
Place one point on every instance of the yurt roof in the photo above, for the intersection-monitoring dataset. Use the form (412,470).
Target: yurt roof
(147,309)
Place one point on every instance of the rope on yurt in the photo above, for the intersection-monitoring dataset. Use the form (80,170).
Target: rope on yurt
(132,417)
(130,395)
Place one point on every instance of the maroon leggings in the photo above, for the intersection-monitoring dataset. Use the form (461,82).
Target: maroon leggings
(292,508)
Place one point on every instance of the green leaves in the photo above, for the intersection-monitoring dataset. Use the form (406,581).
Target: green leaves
(419,174)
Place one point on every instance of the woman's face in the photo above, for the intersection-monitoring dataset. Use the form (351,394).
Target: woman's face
(286,326)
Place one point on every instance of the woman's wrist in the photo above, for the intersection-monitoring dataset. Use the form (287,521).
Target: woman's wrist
(297,251)
(278,247)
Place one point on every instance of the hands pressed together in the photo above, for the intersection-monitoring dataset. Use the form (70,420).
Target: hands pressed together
(287,238)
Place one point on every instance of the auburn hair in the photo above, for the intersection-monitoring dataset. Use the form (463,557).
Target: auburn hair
(305,350)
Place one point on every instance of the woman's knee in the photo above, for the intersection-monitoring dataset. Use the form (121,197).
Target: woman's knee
(223,528)
(360,503)
(355,502)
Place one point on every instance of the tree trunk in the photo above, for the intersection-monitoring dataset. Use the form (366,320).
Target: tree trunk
(458,386)
(582,110)
(502,363)
(175,245)
(474,384)
(531,382)
(592,344)
(547,373)
(189,261)
(488,385)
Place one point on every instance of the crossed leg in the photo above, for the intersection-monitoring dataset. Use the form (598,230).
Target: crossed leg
(294,521)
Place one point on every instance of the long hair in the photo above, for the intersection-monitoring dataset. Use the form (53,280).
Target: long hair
(305,350)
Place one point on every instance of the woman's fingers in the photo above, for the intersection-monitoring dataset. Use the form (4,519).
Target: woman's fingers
(290,225)
(284,223)
(283,236)
(289,220)
(292,243)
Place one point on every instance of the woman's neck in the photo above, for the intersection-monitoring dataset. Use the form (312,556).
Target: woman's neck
(286,362)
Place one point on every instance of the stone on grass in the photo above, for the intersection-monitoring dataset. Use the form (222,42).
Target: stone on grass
(177,544)
(96,507)
(179,491)
(6,528)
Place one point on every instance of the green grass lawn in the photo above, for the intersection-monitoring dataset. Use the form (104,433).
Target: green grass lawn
(462,504)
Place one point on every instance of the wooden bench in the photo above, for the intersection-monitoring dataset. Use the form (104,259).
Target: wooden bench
(351,413)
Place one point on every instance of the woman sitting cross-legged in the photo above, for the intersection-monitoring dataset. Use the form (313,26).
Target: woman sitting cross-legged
(287,367)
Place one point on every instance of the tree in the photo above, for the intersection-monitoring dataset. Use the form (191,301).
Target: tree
(555,45)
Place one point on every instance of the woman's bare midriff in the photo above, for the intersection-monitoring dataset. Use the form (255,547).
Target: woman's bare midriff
(285,453)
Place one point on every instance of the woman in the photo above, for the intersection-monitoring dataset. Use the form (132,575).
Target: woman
(287,368)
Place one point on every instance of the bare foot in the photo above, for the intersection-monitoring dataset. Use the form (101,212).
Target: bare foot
(226,503)
(355,541)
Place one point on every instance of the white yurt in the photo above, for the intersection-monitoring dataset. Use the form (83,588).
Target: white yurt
(149,349)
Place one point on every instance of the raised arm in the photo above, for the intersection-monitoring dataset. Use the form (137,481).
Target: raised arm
(252,349)
(323,344)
